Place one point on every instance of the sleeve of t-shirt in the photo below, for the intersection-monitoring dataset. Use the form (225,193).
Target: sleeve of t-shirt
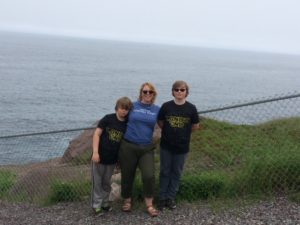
(195,116)
(103,122)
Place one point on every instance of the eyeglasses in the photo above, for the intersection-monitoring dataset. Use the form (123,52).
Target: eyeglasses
(179,89)
(147,92)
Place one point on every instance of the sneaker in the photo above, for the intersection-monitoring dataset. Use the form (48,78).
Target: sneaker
(97,211)
(171,204)
(107,208)
(162,204)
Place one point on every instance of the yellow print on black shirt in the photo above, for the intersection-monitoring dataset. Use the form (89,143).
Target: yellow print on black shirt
(114,135)
(177,121)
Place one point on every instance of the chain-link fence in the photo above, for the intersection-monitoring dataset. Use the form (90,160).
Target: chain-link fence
(242,149)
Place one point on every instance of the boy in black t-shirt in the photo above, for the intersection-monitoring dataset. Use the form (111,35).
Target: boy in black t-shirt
(106,142)
(177,118)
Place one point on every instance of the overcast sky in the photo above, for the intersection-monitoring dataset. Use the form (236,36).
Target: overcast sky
(259,25)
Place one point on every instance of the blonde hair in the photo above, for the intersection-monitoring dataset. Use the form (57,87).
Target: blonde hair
(123,103)
(152,88)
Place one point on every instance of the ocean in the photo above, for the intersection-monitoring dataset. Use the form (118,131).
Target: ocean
(53,83)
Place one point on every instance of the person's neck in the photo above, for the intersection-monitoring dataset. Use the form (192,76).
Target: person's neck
(179,101)
(146,102)
(119,117)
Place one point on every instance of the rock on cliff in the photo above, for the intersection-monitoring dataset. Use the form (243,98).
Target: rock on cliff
(79,146)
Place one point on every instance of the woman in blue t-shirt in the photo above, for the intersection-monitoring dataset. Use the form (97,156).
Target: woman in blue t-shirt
(137,148)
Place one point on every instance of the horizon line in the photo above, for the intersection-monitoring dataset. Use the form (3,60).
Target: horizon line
(146,41)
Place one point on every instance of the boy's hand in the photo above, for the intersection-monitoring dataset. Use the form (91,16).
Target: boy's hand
(118,166)
(96,157)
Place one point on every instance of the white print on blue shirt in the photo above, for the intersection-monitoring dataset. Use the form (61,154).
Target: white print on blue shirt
(145,111)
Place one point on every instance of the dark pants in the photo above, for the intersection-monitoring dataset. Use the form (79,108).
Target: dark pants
(171,167)
(132,156)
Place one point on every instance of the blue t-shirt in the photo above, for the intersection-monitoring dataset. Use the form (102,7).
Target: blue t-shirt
(141,122)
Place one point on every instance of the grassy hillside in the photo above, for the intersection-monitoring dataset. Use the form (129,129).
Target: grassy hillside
(225,160)
(232,160)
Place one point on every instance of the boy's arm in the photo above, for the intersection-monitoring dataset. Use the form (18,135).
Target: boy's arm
(96,141)
(160,123)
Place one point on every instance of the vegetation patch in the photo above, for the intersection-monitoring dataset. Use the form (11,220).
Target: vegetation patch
(229,161)
(7,180)
(62,191)
(256,159)
(226,161)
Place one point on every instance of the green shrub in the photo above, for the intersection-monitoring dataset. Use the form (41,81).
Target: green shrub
(202,186)
(270,175)
(68,191)
(7,180)
(294,197)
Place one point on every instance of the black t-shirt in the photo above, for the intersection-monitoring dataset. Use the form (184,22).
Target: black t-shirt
(177,128)
(110,139)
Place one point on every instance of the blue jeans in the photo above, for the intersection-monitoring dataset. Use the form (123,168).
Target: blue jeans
(171,168)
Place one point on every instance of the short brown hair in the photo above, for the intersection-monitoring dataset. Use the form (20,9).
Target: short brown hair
(152,88)
(123,103)
(180,83)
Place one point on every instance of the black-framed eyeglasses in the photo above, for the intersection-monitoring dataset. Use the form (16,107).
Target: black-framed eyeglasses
(147,92)
(180,89)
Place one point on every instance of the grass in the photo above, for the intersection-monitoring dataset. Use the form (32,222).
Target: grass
(237,160)
(62,191)
(7,180)
(294,197)
(226,161)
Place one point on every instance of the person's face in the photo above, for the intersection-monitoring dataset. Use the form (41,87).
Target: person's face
(147,94)
(122,113)
(180,92)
